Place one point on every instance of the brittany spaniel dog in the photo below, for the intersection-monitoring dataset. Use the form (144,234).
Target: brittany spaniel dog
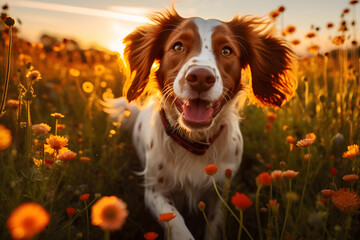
(199,68)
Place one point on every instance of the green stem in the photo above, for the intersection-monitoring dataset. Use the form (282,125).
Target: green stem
(223,208)
(7,76)
(326,218)
(207,223)
(169,230)
(347,226)
(257,210)
(231,211)
(56,125)
(304,188)
(241,222)
(69,230)
(286,217)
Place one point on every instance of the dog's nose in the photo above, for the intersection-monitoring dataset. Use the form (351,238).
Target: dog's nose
(200,78)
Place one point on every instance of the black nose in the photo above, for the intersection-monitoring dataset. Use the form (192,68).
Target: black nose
(200,78)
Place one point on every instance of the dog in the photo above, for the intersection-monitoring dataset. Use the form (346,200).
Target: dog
(199,75)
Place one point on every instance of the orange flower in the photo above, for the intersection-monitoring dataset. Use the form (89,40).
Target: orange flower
(61,126)
(351,177)
(27,220)
(70,211)
(74,72)
(271,116)
(84,159)
(57,142)
(241,201)
(290,139)
(346,200)
(264,178)
(289,29)
(353,151)
(295,42)
(310,35)
(166,217)
(5,137)
(274,14)
(327,192)
(290,173)
(277,174)
(201,206)
(211,169)
(330,25)
(57,115)
(41,128)
(66,156)
(353,2)
(84,196)
(305,142)
(311,136)
(109,213)
(13,103)
(151,235)
(281,9)
(339,40)
(273,205)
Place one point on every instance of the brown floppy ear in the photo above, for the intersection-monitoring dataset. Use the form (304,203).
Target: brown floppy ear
(269,59)
(145,45)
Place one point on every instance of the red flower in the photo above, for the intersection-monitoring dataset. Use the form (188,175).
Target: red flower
(151,235)
(228,173)
(85,196)
(70,211)
(211,169)
(165,217)
(241,201)
(333,172)
(264,178)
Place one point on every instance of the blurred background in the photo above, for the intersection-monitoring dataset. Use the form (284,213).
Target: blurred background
(105,23)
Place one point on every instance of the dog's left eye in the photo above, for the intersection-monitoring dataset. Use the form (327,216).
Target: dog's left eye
(226,51)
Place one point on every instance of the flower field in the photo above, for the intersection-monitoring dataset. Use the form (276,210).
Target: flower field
(69,172)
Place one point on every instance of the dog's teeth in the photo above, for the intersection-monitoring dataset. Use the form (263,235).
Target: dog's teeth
(187,103)
(210,105)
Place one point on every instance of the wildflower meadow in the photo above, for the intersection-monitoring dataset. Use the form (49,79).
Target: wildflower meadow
(69,172)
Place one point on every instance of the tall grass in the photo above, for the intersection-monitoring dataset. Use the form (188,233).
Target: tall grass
(326,103)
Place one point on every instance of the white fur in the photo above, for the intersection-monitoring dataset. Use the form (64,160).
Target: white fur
(205,59)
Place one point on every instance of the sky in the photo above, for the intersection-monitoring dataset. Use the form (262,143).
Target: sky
(106,22)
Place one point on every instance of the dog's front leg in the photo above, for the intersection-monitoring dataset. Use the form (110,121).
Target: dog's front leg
(159,204)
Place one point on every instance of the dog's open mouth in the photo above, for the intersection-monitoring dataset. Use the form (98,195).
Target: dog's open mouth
(198,113)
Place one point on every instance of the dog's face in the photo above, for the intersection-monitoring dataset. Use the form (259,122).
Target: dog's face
(201,62)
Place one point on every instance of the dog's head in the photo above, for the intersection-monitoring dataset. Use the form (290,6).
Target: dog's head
(200,63)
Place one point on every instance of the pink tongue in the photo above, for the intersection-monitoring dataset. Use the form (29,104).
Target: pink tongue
(197,111)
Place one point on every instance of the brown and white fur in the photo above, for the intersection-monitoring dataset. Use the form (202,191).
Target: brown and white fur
(199,76)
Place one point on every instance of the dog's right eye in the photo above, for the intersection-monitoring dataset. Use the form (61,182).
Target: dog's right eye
(178,47)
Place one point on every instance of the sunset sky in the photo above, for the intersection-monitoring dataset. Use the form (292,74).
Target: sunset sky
(105,23)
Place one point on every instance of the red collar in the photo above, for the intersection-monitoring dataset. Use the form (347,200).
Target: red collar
(193,147)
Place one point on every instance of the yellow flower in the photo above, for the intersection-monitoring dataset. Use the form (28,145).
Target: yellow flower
(339,40)
(99,69)
(27,220)
(57,142)
(33,75)
(88,87)
(353,151)
(311,136)
(109,213)
(57,115)
(5,137)
(74,72)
